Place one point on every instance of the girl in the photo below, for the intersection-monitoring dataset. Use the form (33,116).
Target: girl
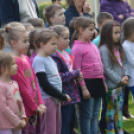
(87,59)
(128,45)
(17,37)
(33,35)
(2,41)
(65,65)
(12,112)
(115,70)
(50,82)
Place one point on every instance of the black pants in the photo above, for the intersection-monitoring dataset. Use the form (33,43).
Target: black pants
(126,97)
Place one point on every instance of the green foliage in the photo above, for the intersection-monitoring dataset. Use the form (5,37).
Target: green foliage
(44,5)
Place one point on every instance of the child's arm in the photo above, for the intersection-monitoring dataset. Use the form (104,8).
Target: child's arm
(112,75)
(24,91)
(6,111)
(49,88)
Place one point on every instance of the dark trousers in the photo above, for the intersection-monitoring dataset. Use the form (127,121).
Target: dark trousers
(102,123)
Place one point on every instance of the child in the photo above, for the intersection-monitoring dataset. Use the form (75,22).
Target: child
(87,59)
(50,82)
(69,76)
(116,73)
(2,40)
(33,49)
(102,18)
(54,15)
(12,112)
(36,22)
(17,37)
(128,45)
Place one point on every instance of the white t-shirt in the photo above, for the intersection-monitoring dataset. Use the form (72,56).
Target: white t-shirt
(129,52)
(27,10)
(47,65)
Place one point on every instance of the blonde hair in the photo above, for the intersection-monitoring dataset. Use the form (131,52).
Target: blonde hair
(44,36)
(12,31)
(5,61)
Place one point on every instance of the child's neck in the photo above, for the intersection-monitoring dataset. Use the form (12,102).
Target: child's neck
(5,78)
(17,53)
(83,40)
(60,50)
(43,54)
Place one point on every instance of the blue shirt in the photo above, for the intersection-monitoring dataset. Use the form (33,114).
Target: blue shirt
(96,41)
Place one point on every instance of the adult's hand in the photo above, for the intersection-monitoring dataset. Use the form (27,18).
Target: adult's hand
(86,8)
(121,16)
(132,13)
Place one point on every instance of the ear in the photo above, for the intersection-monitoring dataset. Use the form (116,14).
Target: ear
(41,45)
(13,43)
(81,30)
(52,20)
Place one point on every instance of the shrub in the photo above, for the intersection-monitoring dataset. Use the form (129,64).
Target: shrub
(43,6)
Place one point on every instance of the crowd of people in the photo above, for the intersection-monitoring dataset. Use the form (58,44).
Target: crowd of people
(52,73)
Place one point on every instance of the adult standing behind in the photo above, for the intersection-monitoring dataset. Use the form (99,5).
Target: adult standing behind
(120,9)
(28,9)
(76,8)
(9,11)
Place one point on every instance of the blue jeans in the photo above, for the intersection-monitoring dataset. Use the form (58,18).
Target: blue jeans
(67,115)
(132,90)
(90,110)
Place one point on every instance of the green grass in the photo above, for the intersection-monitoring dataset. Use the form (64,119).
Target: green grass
(129,125)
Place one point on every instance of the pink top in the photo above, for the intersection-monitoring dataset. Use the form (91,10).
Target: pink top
(11,106)
(28,85)
(32,57)
(88,60)
(68,60)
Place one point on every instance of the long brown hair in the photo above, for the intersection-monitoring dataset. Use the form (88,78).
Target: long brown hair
(2,40)
(83,22)
(107,39)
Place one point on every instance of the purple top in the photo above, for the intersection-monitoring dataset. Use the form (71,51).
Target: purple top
(33,55)
(116,7)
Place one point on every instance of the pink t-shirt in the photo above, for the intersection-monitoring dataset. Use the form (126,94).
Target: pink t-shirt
(28,85)
(11,105)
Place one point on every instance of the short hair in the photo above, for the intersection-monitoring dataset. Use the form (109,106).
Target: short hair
(50,12)
(128,28)
(27,26)
(103,16)
(44,36)
(53,1)
(36,22)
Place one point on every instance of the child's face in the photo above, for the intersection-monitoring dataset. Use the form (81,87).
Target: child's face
(88,33)
(58,2)
(14,68)
(63,41)
(22,44)
(116,34)
(59,18)
(50,47)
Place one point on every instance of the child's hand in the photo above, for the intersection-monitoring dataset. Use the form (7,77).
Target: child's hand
(79,79)
(22,124)
(124,80)
(40,111)
(41,106)
(85,92)
(68,98)
(105,86)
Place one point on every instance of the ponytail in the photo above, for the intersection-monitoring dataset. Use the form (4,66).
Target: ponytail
(74,37)
(2,41)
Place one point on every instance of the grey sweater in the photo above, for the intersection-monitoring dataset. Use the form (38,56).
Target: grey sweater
(112,73)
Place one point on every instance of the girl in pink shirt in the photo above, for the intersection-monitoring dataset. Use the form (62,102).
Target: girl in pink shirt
(12,112)
(17,37)
(87,59)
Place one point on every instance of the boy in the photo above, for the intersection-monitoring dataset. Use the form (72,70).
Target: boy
(102,18)
(54,15)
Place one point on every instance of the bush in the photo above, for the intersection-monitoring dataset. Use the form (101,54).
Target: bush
(44,5)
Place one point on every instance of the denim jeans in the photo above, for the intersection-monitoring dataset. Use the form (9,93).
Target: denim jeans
(90,110)
(132,90)
(67,115)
